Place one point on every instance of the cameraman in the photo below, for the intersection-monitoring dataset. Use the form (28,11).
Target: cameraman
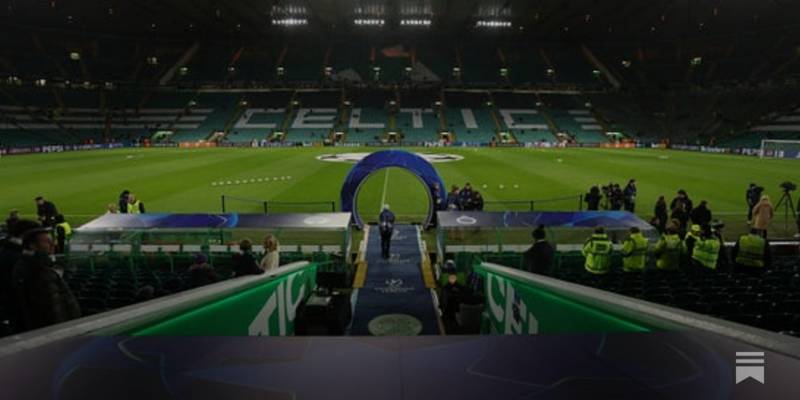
(592,199)
(752,196)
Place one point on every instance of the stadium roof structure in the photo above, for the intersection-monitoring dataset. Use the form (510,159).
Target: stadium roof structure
(550,19)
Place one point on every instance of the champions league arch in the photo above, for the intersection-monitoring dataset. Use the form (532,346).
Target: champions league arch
(374,162)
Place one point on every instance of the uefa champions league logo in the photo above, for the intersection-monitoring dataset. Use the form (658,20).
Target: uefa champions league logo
(466,220)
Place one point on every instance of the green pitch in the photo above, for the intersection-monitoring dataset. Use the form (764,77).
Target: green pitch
(82,184)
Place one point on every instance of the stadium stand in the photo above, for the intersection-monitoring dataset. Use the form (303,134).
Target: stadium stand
(371,115)
(519,115)
(573,117)
(418,117)
(469,118)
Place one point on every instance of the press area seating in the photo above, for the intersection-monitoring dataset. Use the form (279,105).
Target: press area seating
(107,281)
(768,300)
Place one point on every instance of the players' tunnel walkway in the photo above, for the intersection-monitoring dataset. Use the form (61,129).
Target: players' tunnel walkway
(394,289)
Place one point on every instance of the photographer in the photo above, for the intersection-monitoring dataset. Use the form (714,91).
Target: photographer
(752,196)
(592,199)
(616,197)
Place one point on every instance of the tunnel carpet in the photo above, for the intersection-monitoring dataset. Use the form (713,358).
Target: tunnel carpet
(394,286)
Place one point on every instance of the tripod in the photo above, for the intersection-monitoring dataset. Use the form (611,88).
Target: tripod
(788,206)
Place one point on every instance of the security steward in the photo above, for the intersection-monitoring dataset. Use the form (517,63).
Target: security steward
(706,251)
(135,206)
(670,249)
(63,232)
(751,253)
(597,251)
(634,251)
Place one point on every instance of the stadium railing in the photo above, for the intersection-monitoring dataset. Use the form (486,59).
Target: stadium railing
(234,204)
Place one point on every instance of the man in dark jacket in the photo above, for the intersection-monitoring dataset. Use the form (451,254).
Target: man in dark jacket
(10,253)
(42,298)
(630,196)
(386,227)
(539,257)
(123,202)
(244,263)
(752,196)
(592,199)
(661,213)
(701,215)
(682,197)
(46,211)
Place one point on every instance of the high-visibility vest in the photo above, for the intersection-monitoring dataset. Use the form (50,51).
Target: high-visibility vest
(597,251)
(66,227)
(134,208)
(706,252)
(751,251)
(634,253)
(669,250)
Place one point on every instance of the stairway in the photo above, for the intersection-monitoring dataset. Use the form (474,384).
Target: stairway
(394,299)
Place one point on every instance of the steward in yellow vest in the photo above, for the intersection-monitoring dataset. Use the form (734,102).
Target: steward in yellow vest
(597,251)
(706,250)
(135,206)
(670,249)
(62,233)
(751,252)
(634,251)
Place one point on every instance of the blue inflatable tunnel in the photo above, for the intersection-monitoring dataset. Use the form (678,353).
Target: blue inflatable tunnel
(374,162)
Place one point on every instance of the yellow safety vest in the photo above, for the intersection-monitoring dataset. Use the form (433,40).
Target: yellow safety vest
(706,252)
(597,251)
(751,251)
(133,208)
(634,253)
(67,229)
(669,250)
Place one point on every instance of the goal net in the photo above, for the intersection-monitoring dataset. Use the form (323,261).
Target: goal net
(780,148)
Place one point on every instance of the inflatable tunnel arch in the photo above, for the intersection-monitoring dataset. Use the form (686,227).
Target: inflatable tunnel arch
(374,162)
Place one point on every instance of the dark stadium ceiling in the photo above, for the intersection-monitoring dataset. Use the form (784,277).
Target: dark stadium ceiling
(547,19)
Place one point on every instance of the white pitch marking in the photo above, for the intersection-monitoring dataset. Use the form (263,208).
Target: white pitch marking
(385,185)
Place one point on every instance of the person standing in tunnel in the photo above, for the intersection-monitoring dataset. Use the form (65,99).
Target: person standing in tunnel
(386,225)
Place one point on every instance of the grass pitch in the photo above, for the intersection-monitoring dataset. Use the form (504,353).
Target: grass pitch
(82,184)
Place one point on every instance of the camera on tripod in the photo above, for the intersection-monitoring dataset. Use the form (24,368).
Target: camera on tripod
(788,186)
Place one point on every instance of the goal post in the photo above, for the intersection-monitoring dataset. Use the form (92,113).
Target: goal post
(780,148)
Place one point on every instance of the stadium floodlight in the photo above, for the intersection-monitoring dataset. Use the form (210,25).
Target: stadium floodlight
(191,103)
(109,85)
(437,103)
(280,71)
(696,61)
(495,24)
(550,72)
(346,103)
(290,21)
(75,56)
(539,104)
(231,69)
(243,103)
(392,103)
(408,69)
(626,63)
(152,60)
(87,85)
(588,104)
(456,72)
(40,82)
(183,71)
(596,73)
(504,72)
(328,71)
(415,22)
(369,21)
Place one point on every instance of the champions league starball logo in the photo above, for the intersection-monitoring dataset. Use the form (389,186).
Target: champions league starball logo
(316,220)
(353,158)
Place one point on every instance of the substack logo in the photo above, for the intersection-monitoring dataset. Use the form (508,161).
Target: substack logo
(749,364)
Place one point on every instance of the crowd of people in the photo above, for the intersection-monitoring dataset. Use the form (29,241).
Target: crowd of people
(612,197)
(464,199)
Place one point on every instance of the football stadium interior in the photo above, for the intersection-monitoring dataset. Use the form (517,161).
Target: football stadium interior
(399,199)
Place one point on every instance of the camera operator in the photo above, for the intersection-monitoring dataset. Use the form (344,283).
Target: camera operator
(592,199)
(752,196)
